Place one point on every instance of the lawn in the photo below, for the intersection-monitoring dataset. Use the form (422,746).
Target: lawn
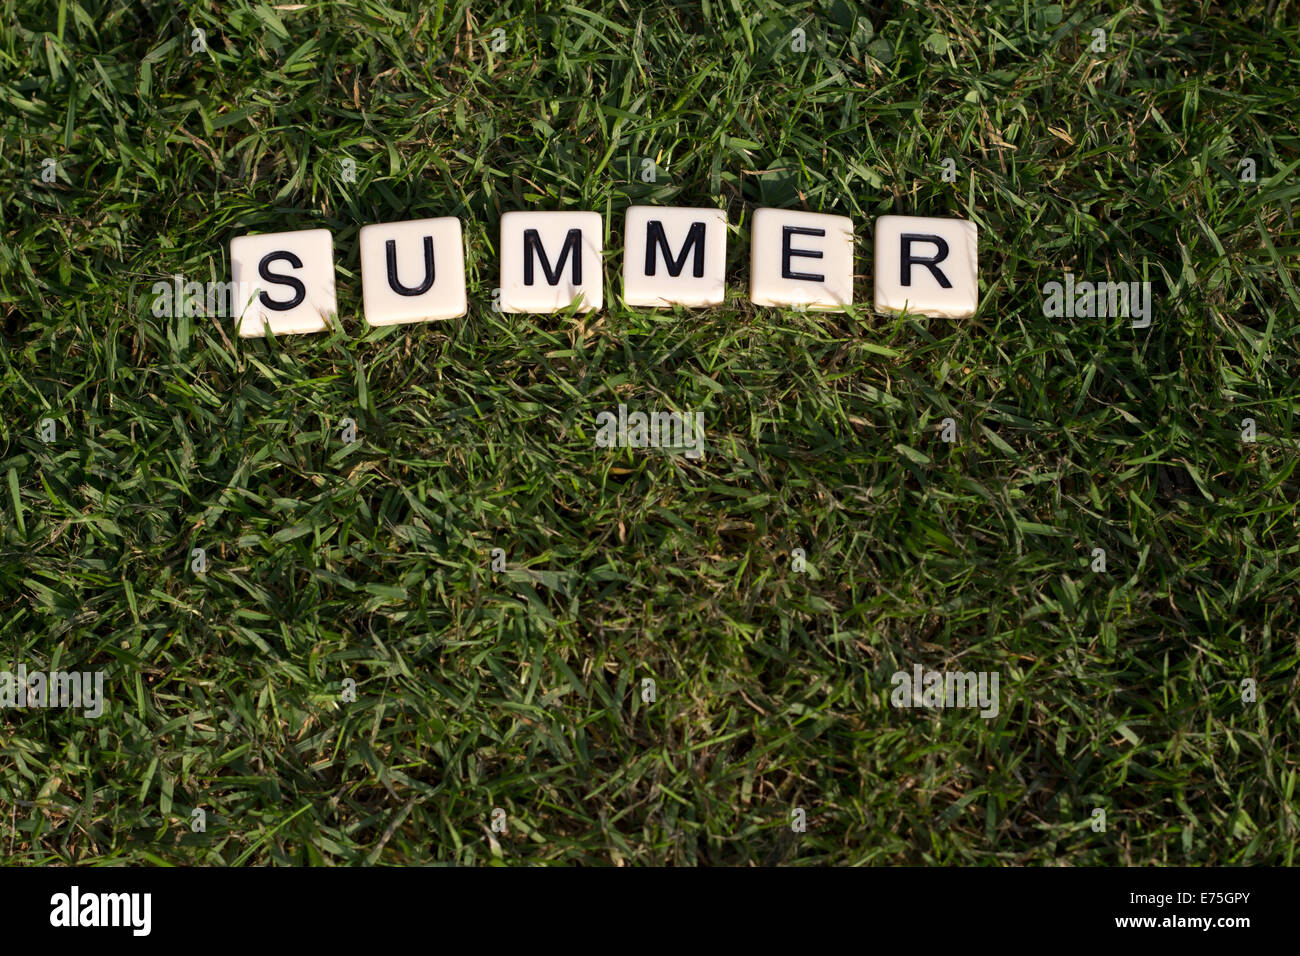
(669,660)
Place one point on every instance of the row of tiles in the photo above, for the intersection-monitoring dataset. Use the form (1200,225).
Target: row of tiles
(415,271)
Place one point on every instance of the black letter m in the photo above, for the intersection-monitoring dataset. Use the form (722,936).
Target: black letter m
(655,237)
(533,244)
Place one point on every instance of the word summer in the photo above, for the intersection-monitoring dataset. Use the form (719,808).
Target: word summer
(552,261)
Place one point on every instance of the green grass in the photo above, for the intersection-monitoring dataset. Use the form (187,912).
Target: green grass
(521,690)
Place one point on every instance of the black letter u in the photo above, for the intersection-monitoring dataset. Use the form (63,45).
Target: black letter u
(390,249)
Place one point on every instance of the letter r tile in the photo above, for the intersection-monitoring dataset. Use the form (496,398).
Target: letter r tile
(284,280)
(801,259)
(926,266)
